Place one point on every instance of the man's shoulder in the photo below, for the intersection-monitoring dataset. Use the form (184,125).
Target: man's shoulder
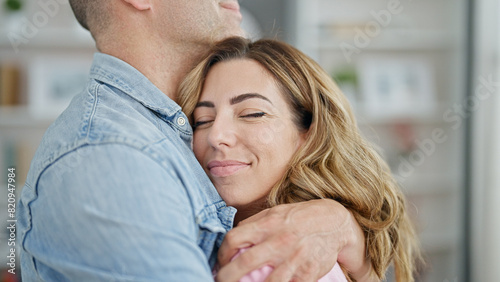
(101,113)
(102,116)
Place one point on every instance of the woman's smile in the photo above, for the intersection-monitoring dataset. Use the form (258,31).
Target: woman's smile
(225,168)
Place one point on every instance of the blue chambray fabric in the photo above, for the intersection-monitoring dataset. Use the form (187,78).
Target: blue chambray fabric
(114,192)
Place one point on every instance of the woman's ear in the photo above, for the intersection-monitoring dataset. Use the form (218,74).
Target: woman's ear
(140,5)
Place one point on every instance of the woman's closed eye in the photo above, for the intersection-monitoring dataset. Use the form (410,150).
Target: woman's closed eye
(254,115)
(202,123)
(205,122)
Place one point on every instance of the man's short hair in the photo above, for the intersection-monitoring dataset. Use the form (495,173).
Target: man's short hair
(80,10)
(89,13)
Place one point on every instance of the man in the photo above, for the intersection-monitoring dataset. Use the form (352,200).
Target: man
(114,191)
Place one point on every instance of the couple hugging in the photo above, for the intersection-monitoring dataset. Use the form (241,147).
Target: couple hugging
(115,192)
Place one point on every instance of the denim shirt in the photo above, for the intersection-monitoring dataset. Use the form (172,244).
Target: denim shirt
(114,192)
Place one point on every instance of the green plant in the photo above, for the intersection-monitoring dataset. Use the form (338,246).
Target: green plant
(346,75)
(13,5)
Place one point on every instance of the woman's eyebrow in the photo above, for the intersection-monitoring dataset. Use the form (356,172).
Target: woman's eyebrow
(242,97)
(205,104)
(235,100)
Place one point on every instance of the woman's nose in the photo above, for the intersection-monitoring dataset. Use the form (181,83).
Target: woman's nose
(222,133)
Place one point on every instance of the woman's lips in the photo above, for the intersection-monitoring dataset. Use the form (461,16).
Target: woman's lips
(225,168)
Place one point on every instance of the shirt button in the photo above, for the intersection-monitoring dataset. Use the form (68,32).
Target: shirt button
(181,121)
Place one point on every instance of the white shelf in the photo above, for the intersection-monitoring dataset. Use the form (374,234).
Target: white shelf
(388,40)
(19,117)
(37,26)
(74,38)
(433,115)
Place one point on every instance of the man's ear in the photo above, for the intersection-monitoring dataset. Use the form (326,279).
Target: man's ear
(140,5)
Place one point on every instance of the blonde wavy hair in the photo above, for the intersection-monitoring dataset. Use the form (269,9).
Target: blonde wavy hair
(335,161)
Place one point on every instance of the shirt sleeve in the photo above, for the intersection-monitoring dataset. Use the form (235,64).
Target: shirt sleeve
(111,213)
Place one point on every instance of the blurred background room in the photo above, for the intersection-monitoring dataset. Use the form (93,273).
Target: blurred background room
(421,75)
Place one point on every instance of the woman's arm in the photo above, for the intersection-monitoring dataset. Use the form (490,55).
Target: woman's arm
(302,241)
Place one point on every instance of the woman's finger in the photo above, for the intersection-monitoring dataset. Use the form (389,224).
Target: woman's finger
(252,259)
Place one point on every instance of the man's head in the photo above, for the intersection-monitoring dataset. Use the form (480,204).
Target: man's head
(186,21)
(89,13)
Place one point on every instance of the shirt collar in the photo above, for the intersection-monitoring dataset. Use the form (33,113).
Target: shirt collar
(119,74)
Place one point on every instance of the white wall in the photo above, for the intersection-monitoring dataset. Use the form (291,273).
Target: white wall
(486,145)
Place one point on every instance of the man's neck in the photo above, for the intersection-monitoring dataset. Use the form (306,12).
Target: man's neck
(165,66)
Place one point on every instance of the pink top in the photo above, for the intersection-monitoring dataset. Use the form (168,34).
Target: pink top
(259,275)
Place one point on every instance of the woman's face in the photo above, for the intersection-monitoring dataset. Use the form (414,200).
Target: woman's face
(244,136)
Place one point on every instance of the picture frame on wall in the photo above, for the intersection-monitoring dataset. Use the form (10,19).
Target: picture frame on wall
(54,81)
(397,87)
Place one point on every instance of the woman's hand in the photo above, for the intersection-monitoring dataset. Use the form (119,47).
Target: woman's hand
(301,241)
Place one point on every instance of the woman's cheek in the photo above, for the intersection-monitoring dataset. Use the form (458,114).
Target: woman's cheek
(198,146)
(266,135)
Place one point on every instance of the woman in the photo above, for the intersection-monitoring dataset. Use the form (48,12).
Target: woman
(271,127)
